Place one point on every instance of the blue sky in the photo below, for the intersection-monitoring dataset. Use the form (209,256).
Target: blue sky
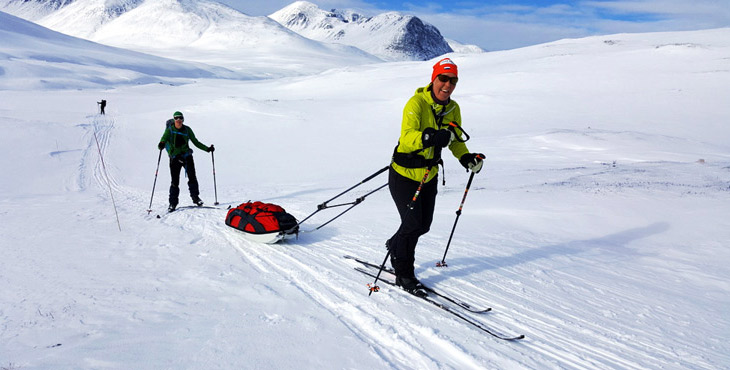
(509,24)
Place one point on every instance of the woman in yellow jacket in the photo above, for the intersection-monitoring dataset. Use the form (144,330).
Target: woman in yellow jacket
(425,131)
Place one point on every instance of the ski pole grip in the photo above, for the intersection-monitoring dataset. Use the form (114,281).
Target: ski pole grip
(453,125)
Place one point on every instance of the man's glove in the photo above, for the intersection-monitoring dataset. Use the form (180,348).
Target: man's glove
(211,149)
(472,161)
(438,138)
(161,145)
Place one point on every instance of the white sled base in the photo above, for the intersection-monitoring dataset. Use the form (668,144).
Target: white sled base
(268,238)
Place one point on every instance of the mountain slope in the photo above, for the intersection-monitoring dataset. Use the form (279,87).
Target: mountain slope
(200,31)
(46,58)
(391,36)
(32,10)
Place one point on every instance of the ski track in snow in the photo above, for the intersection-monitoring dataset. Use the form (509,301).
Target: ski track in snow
(319,271)
(349,305)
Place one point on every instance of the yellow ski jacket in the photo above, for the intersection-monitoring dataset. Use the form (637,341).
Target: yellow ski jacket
(420,113)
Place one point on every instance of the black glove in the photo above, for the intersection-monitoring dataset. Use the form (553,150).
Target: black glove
(439,138)
(472,161)
(161,145)
(211,149)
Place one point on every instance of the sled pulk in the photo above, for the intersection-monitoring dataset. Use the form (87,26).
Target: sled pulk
(262,222)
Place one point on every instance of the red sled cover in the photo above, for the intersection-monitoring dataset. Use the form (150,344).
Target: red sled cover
(261,218)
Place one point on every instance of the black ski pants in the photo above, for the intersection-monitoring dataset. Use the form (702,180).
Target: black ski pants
(176,164)
(414,222)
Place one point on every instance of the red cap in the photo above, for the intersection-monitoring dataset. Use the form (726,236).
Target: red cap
(444,66)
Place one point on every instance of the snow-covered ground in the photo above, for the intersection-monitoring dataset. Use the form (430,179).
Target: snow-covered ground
(598,227)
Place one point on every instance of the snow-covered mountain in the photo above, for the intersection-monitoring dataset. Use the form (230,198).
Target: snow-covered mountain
(32,10)
(43,58)
(390,36)
(460,48)
(196,30)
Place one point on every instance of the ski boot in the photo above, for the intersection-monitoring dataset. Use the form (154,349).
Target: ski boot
(411,285)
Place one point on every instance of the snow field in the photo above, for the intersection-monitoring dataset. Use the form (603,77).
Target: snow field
(597,227)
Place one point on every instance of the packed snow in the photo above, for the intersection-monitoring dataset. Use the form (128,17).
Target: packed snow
(598,227)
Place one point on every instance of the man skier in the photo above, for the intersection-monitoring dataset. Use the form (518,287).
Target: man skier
(175,139)
(425,130)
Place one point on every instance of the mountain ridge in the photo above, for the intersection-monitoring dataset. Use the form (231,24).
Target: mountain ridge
(159,26)
(391,36)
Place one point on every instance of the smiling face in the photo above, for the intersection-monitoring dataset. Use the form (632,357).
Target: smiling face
(442,89)
(178,122)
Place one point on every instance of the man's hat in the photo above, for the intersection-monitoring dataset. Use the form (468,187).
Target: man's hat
(177,114)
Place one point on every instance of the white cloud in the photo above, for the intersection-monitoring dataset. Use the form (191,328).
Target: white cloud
(496,27)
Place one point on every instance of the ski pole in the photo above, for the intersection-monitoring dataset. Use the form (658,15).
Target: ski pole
(458,214)
(149,209)
(108,181)
(215,187)
(437,155)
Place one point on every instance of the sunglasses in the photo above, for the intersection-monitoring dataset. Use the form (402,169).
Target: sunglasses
(444,78)
(179,119)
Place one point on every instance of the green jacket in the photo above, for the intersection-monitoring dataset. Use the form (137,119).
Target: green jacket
(418,115)
(176,141)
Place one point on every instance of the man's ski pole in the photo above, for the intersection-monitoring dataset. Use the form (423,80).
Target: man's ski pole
(458,214)
(149,209)
(215,187)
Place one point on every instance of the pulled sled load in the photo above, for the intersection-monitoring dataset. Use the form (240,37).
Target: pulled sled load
(270,223)
(262,222)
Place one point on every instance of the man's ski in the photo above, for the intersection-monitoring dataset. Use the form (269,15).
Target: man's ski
(448,309)
(186,207)
(451,299)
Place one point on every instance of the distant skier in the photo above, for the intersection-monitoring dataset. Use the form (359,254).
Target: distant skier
(175,139)
(424,132)
(102,105)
